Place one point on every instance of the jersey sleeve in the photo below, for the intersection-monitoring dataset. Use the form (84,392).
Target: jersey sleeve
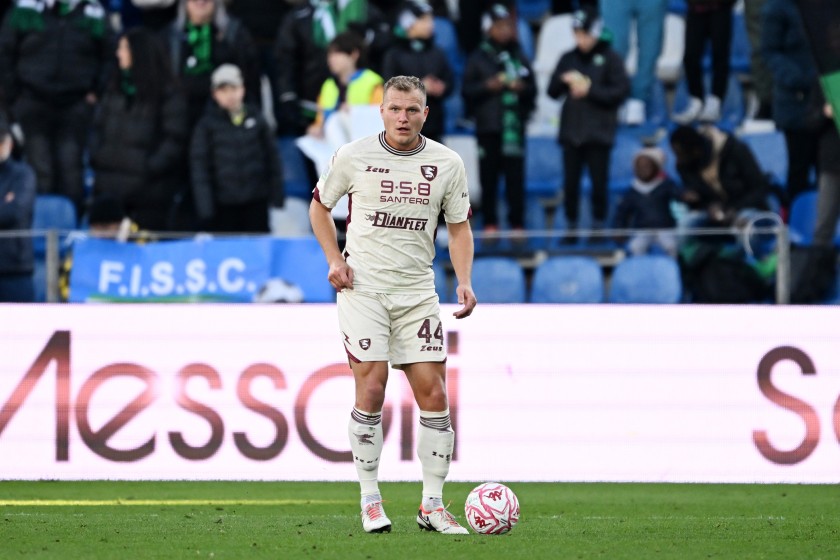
(456,202)
(335,182)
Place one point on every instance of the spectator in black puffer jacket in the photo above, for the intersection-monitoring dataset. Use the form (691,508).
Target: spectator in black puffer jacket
(594,83)
(235,166)
(415,54)
(499,90)
(17,202)
(52,61)
(141,132)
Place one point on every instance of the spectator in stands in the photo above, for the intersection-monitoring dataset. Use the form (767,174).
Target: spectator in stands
(52,61)
(302,48)
(415,54)
(722,182)
(141,133)
(787,52)
(202,37)
(470,21)
(706,21)
(594,83)
(649,18)
(500,90)
(647,205)
(828,180)
(154,14)
(17,203)
(235,167)
(351,82)
(263,19)
(568,6)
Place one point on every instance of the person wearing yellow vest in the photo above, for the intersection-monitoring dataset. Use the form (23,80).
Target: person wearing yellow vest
(350,82)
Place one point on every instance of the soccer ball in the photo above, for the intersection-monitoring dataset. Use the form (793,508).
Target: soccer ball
(492,509)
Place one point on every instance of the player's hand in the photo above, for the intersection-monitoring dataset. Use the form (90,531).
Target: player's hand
(341,276)
(466,297)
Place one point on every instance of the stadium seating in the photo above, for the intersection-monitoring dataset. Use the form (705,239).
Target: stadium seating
(446,38)
(646,279)
(627,144)
(295,177)
(543,166)
(532,10)
(803,219)
(442,285)
(51,212)
(554,38)
(770,150)
(568,279)
(740,50)
(498,280)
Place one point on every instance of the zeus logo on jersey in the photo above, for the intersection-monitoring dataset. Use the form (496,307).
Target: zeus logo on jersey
(387,220)
(373,169)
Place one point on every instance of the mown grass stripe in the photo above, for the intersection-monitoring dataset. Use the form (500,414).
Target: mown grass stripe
(168,502)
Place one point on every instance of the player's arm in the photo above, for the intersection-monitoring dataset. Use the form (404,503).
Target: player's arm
(340,274)
(461,254)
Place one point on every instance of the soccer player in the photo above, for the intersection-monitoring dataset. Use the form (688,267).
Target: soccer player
(398,182)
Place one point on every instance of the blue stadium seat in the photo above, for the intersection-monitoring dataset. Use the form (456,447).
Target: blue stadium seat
(568,279)
(52,211)
(543,165)
(646,279)
(446,38)
(627,144)
(498,280)
(770,149)
(526,38)
(296,178)
(740,50)
(803,217)
(533,10)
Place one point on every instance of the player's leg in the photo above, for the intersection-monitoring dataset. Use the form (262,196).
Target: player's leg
(364,327)
(417,348)
(366,438)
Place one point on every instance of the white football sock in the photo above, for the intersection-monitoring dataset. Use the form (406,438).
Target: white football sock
(365,432)
(435,444)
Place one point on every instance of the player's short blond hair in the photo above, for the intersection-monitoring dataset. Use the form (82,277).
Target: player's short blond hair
(406,84)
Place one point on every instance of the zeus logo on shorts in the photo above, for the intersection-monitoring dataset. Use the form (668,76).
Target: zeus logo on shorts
(364,343)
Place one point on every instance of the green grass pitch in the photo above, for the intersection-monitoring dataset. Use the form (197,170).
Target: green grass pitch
(290,520)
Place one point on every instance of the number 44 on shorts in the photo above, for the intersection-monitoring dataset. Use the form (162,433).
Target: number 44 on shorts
(425,332)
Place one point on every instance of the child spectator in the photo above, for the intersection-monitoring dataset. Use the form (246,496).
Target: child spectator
(647,205)
(499,90)
(415,54)
(351,82)
(235,167)
(594,82)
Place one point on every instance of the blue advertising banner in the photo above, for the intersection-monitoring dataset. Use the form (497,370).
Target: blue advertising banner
(253,269)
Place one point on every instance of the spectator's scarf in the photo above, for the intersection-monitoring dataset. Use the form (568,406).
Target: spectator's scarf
(331,17)
(28,15)
(200,41)
(512,129)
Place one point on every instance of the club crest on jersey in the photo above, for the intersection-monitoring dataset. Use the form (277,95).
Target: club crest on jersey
(364,343)
(429,171)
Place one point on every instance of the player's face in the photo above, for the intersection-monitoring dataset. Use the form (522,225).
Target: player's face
(403,114)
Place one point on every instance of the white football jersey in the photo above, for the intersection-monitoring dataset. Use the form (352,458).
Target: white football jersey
(395,199)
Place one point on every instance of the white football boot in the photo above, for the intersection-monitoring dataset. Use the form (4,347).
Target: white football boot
(374,519)
(439,520)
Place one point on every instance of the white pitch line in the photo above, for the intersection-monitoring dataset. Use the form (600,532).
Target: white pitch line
(163,502)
